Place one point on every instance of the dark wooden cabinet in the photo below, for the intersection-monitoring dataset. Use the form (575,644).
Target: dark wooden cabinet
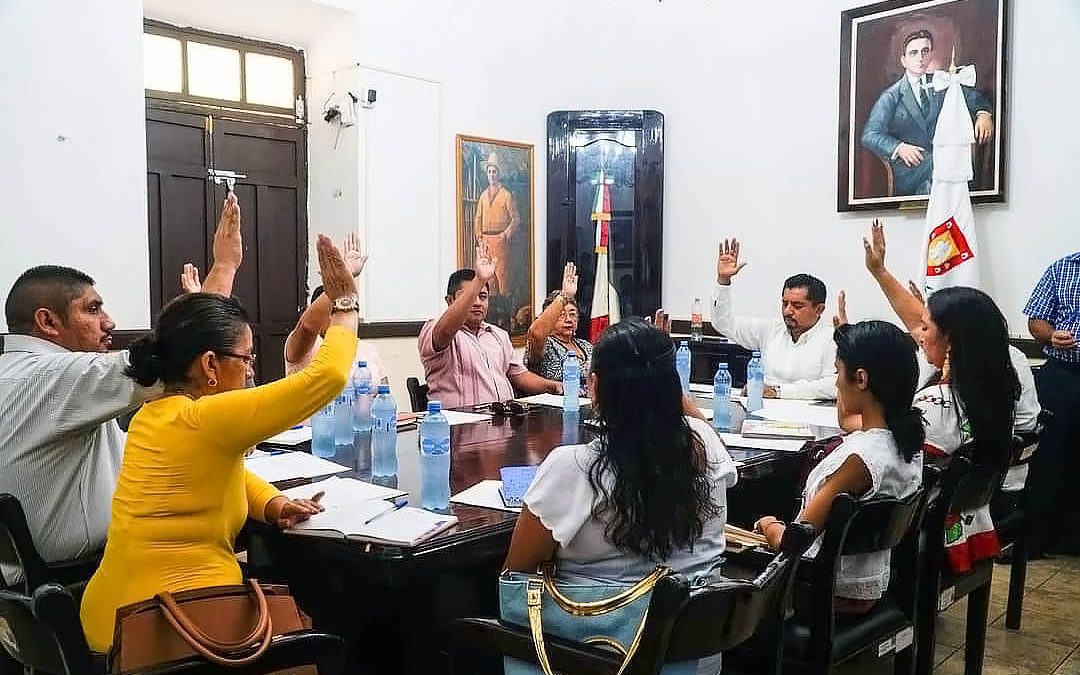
(628,147)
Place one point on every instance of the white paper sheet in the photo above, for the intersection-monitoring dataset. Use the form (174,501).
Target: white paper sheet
(802,412)
(704,390)
(740,441)
(339,491)
(486,494)
(552,400)
(291,437)
(455,418)
(289,465)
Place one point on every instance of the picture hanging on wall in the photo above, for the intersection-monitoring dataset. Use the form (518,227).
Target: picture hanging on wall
(495,207)
(889,103)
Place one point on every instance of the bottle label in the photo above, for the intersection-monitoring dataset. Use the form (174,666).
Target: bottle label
(695,319)
(430,446)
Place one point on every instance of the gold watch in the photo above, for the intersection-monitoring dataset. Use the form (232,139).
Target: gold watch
(348,303)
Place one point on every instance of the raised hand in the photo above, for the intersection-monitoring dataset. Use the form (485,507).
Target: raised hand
(840,318)
(485,264)
(874,248)
(727,261)
(228,244)
(354,255)
(338,281)
(189,279)
(570,280)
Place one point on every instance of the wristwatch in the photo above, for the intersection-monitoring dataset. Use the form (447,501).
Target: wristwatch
(348,303)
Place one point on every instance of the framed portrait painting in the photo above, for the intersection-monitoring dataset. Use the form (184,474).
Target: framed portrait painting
(495,207)
(889,107)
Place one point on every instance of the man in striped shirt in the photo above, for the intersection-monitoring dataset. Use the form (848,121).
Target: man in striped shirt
(61,390)
(1053,313)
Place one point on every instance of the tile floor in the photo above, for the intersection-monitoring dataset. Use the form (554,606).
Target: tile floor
(1047,644)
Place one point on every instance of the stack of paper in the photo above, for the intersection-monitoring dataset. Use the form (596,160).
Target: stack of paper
(773,429)
(739,539)
(552,400)
(290,465)
(294,436)
(339,491)
(740,441)
(799,412)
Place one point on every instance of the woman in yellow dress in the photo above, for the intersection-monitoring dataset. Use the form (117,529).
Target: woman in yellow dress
(183,492)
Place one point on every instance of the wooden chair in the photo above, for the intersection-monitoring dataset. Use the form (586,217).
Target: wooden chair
(965,486)
(817,639)
(683,624)
(42,632)
(17,550)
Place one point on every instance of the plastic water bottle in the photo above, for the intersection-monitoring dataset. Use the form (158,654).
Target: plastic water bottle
(322,432)
(695,320)
(435,459)
(682,364)
(755,383)
(361,376)
(721,402)
(343,418)
(384,433)
(571,383)
(362,409)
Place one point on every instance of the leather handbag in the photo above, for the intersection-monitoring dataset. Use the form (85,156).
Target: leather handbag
(600,614)
(226,625)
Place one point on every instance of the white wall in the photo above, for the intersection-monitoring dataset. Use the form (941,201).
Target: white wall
(73,175)
(749,92)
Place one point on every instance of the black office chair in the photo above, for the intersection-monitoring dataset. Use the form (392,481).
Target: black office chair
(42,632)
(683,623)
(17,549)
(817,639)
(417,394)
(965,486)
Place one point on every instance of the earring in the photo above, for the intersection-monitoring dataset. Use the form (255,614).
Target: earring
(212,382)
(945,367)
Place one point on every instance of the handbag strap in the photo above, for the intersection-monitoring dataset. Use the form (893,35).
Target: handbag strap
(606,605)
(534,590)
(216,651)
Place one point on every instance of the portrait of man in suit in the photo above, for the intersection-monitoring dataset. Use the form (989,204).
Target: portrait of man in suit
(900,129)
(889,107)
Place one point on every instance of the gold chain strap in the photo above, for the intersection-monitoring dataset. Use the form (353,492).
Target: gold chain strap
(534,591)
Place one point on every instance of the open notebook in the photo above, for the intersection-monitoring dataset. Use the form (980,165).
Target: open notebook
(376,521)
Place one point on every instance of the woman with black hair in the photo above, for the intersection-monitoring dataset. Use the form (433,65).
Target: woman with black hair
(183,492)
(965,337)
(651,488)
(876,378)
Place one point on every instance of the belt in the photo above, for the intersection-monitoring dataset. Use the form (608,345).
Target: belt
(494,234)
(1071,366)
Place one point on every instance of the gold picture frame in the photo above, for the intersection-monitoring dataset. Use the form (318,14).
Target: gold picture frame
(499,210)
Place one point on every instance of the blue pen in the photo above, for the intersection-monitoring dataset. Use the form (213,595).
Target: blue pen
(397,505)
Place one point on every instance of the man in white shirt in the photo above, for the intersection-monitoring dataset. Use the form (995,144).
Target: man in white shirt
(797,350)
(60,393)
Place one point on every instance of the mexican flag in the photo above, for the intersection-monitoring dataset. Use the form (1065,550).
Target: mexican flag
(949,252)
(605,301)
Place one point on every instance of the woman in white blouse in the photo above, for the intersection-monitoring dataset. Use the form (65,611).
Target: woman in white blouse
(876,379)
(651,488)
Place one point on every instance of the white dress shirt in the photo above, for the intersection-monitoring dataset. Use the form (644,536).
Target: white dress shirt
(60,445)
(804,368)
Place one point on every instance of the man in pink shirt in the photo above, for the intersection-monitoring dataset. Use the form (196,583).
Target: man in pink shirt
(468,361)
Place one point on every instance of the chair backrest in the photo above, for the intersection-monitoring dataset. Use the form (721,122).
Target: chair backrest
(17,546)
(43,632)
(418,394)
(723,615)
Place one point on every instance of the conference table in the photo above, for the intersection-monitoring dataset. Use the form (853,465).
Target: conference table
(391,600)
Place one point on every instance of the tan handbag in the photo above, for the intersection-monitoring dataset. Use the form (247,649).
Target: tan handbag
(226,625)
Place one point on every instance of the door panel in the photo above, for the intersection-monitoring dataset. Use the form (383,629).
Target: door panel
(184,205)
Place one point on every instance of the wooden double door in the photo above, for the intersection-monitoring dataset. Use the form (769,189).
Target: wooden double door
(184,206)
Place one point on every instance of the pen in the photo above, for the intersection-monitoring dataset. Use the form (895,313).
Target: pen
(397,505)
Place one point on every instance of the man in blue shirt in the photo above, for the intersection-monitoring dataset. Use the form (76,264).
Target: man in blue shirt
(1053,313)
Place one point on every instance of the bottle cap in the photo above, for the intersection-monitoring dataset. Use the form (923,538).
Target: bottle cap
(722,365)
(434,406)
(361,364)
(384,389)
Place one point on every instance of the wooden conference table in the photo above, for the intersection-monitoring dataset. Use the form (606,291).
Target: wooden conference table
(410,585)
(480,449)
